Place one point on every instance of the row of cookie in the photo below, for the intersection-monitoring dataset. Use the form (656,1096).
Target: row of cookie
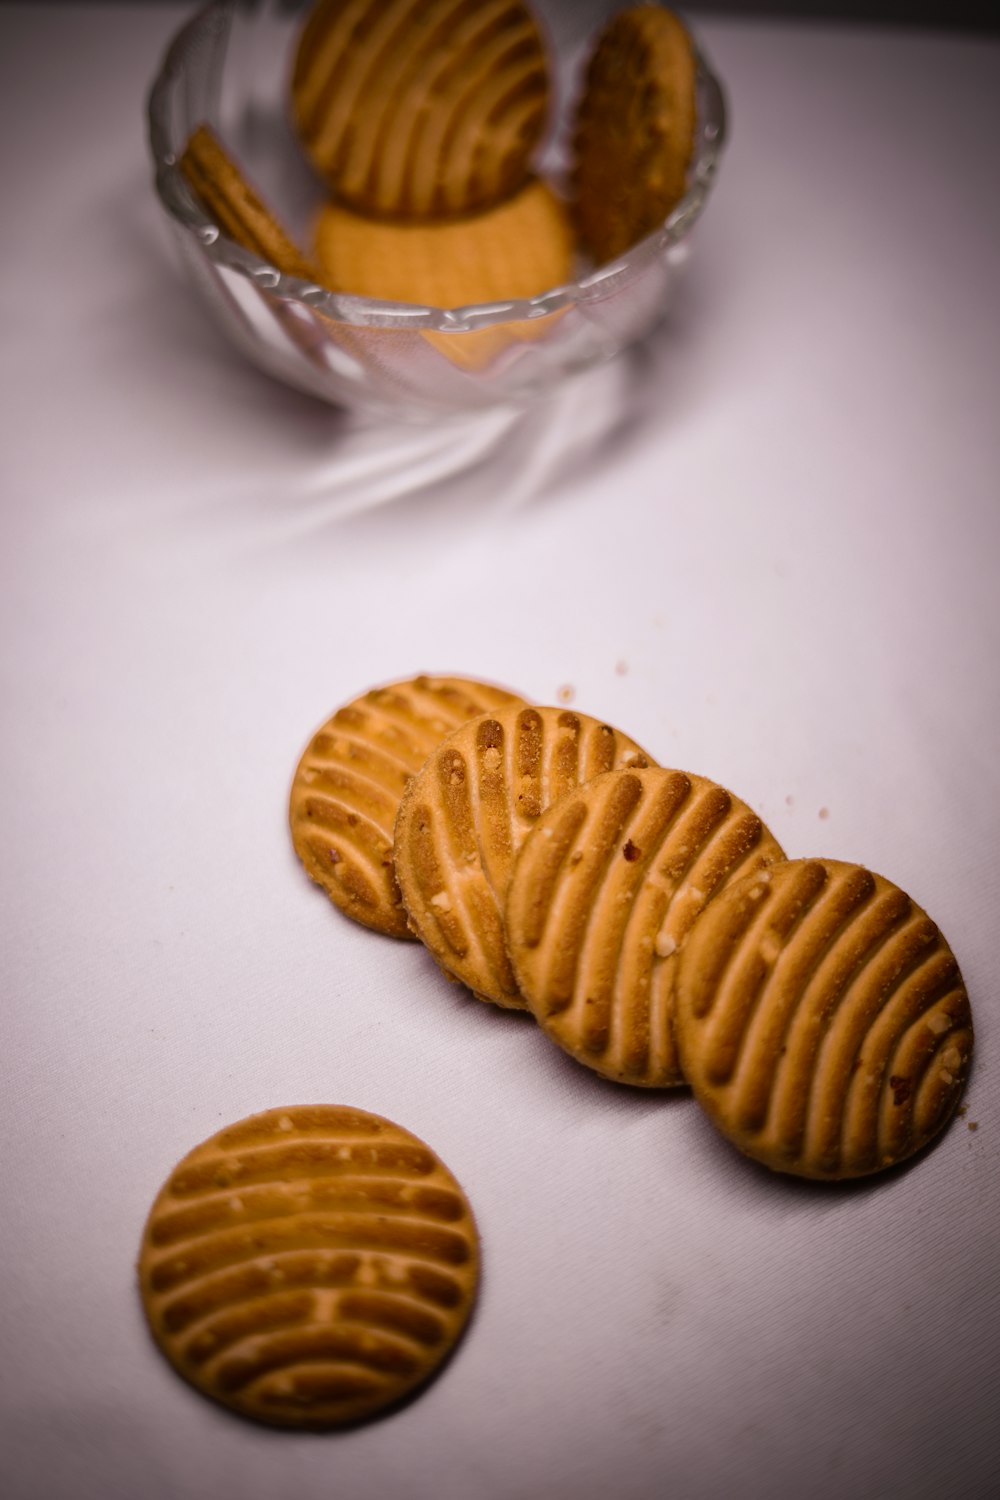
(424,130)
(646,916)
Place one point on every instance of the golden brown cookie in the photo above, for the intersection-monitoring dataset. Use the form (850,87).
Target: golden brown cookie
(821,1019)
(603,895)
(420,108)
(236,207)
(516,250)
(309,1266)
(634,132)
(352,774)
(467,813)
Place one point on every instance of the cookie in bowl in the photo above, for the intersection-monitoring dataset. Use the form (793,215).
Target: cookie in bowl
(414,110)
(511,252)
(234,203)
(634,131)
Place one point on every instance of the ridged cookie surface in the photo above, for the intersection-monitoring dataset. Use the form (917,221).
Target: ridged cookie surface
(603,895)
(822,1019)
(467,813)
(309,1266)
(236,207)
(420,108)
(635,127)
(348,784)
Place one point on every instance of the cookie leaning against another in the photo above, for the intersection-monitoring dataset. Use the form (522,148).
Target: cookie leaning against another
(604,892)
(466,814)
(634,133)
(822,1020)
(237,208)
(420,110)
(348,784)
(309,1267)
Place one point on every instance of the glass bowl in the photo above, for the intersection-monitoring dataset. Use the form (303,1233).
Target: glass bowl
(230,66)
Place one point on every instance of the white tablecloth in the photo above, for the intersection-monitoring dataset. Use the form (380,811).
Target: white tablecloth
(768,548)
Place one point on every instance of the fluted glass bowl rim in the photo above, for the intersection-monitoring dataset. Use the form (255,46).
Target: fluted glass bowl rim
(182,206)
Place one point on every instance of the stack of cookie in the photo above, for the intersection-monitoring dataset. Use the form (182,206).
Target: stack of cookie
(645,916)
(424,120)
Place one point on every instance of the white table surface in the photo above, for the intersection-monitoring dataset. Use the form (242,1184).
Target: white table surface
(774,561)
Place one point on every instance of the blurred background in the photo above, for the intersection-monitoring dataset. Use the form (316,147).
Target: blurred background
(982,15)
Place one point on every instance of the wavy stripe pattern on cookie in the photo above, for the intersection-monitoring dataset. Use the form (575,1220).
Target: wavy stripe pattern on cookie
(603,895)
(309,1266)
(635,126)
(467,813)
(348,785)
(822,1020)
(420,108)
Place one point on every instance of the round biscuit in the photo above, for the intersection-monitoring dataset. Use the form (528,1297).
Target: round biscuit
(634,129)
(309,1266)
(604,892)
(822,1020)
(514,250)
(420,108)
(467,813)
(349,781)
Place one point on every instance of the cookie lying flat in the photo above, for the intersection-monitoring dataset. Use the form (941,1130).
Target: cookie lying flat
(352,774)
(235,206)
(821,1019)
(516,250)
(420,108)
(309,1266)
(634,133)
(465,816)
(604,892)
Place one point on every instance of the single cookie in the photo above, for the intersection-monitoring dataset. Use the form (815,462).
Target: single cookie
(352,774)
(515,250)
(821,1019)
(604,892)
(467,813)
(420,108)
(518,249)
(634,132)
(235,206)
(308,1267)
